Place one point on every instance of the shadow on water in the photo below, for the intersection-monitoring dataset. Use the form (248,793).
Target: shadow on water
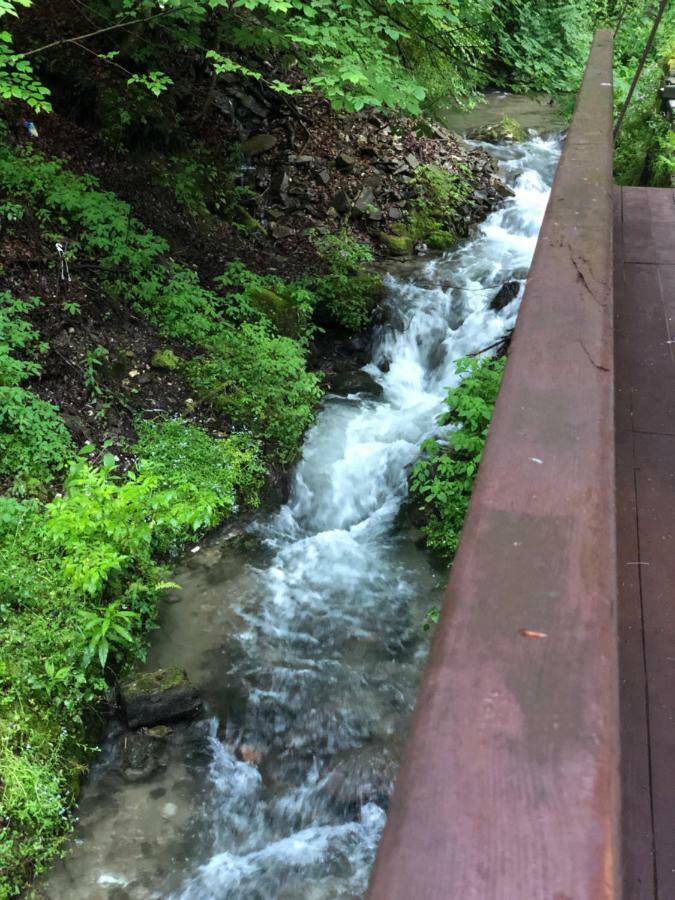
(304,631)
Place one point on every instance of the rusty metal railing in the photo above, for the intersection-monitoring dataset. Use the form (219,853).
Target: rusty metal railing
(508,788)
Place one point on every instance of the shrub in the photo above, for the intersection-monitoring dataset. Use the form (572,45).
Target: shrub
(259,380)
(348,293)
(34,442)
(207,477)
(442,479)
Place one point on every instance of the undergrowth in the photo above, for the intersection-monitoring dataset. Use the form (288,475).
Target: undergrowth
(243,365)
(79,583)
(442,478)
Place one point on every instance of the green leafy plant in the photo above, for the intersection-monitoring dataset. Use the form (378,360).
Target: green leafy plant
(348,293)
(442,479)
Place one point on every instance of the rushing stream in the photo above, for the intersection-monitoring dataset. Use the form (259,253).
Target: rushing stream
(306,636)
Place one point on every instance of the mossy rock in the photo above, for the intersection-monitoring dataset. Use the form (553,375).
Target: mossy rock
(165,359)
(244,218)
(152,698)
(397,244)
(441,240)
(506,131)
(281,312)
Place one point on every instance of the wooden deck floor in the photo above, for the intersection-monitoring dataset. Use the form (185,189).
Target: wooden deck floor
(644,284)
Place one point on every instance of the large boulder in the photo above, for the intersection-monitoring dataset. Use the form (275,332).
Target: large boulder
(152,698)
(259,143)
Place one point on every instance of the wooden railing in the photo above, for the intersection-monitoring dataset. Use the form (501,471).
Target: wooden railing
(509,784)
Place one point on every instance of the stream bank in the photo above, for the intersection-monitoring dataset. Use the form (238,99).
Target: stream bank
(305,636)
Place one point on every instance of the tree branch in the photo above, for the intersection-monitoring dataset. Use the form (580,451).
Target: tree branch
(81,37)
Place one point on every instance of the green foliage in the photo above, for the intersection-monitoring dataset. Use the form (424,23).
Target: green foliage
(78,589)
(442,479)
(644,149)
(285,306)
(348,293)
(207,477)
(435,216)
(34,442)
(250,371)
(260,381)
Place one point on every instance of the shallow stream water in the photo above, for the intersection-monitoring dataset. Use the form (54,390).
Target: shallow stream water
(305,634)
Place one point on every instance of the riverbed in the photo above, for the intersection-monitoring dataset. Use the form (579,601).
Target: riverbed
(304,630)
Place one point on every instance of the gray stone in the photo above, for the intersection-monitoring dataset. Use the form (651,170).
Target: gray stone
(139,757)
(412,160)
(363,775)
(364,199)
(345,162)
(279,231)
(259,143)
(323,176)
(394,212)
(153,698)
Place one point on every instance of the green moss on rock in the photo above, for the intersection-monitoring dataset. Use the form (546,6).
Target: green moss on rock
(165,359)
(160,680)
(508,130)
(441,240)
(397,244)
(281,312)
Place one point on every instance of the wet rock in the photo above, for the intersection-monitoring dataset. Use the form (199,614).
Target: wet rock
(353,382)
(345,162)
(364,775)
(249,753)
(139,757)
(502,189)
(397,244)
(506,294)
(259,143)
(153,698)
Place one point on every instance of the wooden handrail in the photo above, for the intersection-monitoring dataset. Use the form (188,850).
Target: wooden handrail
(509,784)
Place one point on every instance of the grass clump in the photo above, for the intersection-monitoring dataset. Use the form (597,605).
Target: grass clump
(209,477)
